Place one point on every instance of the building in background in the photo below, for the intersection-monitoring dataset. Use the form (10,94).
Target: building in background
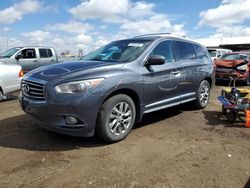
(232,43)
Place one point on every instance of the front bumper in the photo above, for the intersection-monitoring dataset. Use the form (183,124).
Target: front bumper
(228,75)
(51,114)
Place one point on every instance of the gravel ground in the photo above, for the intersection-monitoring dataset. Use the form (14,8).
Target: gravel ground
(177,147)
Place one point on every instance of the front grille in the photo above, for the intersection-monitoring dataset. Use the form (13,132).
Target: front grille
(33,90)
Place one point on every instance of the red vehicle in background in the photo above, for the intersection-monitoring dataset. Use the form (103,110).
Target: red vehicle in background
(233,65)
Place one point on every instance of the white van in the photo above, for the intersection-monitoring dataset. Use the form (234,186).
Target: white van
(215,53)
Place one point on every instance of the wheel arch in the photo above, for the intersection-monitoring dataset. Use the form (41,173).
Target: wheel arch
(133,95)
(210,81)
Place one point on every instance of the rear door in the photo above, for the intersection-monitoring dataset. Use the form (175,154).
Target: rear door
(46,56)
(186,66)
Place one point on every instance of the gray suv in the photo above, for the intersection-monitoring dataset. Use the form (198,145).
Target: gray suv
(114,86)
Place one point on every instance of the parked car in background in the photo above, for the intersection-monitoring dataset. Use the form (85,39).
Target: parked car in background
(216,53)
(10,79)
(234,64)
(114,86)
(29,57)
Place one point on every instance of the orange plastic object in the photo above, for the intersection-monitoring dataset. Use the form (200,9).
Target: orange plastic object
(247,118)
(21,73)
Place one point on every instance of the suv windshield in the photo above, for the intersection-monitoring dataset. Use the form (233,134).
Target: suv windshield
(119,51)
(234,57)
(9,52)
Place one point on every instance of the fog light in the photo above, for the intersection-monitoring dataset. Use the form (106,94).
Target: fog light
(71,120)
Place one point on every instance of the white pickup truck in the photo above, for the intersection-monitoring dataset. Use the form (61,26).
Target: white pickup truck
(29,57)
(10,79)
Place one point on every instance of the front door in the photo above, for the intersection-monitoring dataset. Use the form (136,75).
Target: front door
(28,59)
(160,81)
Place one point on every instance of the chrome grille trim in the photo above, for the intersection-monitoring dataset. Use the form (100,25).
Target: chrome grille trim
(33,90)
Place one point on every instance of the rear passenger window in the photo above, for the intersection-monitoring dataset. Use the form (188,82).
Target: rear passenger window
(45,53)
(200,52)
(164,49)
(185,50)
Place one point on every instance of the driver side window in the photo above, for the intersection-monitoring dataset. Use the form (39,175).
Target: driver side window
(164,49)
(28,54)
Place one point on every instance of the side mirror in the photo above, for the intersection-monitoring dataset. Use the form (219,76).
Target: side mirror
(155,60)
(18,56)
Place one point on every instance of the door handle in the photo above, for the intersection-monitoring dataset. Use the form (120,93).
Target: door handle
(200,69)
(35,61)
(175,72)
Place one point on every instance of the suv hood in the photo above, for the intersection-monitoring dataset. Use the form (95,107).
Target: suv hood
(228,63)
(67,69)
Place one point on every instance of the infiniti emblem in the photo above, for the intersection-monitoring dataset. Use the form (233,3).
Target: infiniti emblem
(26,88)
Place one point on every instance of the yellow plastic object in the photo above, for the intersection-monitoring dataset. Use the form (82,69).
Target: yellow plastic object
(242,90)
(247,124)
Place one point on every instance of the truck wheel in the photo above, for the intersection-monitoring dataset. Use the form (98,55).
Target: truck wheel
(116,118)
(203,95)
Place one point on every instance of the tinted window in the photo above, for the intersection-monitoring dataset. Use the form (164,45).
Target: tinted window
(185,50)
(164,49)
(50,53)
(45,53)
(200,52)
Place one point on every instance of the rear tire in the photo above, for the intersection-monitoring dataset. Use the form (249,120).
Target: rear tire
(116,118)
(203,95)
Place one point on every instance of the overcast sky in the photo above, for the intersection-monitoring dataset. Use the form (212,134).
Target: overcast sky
(86,24)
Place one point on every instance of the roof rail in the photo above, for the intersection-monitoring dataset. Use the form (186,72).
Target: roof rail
(159,35)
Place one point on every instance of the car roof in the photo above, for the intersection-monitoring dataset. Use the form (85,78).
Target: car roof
(159,36)
(31,47)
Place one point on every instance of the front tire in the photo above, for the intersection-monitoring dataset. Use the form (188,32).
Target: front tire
(203,95)
(116,118)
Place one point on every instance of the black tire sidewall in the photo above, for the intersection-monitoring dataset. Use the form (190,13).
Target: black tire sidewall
(103,122)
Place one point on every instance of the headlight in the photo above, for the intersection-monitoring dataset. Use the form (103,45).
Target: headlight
(78,86)
(242,67)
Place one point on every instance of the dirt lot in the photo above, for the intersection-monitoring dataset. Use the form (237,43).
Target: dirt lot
(177,147)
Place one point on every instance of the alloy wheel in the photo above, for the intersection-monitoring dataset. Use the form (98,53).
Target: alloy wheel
(204,94)
(120,118)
